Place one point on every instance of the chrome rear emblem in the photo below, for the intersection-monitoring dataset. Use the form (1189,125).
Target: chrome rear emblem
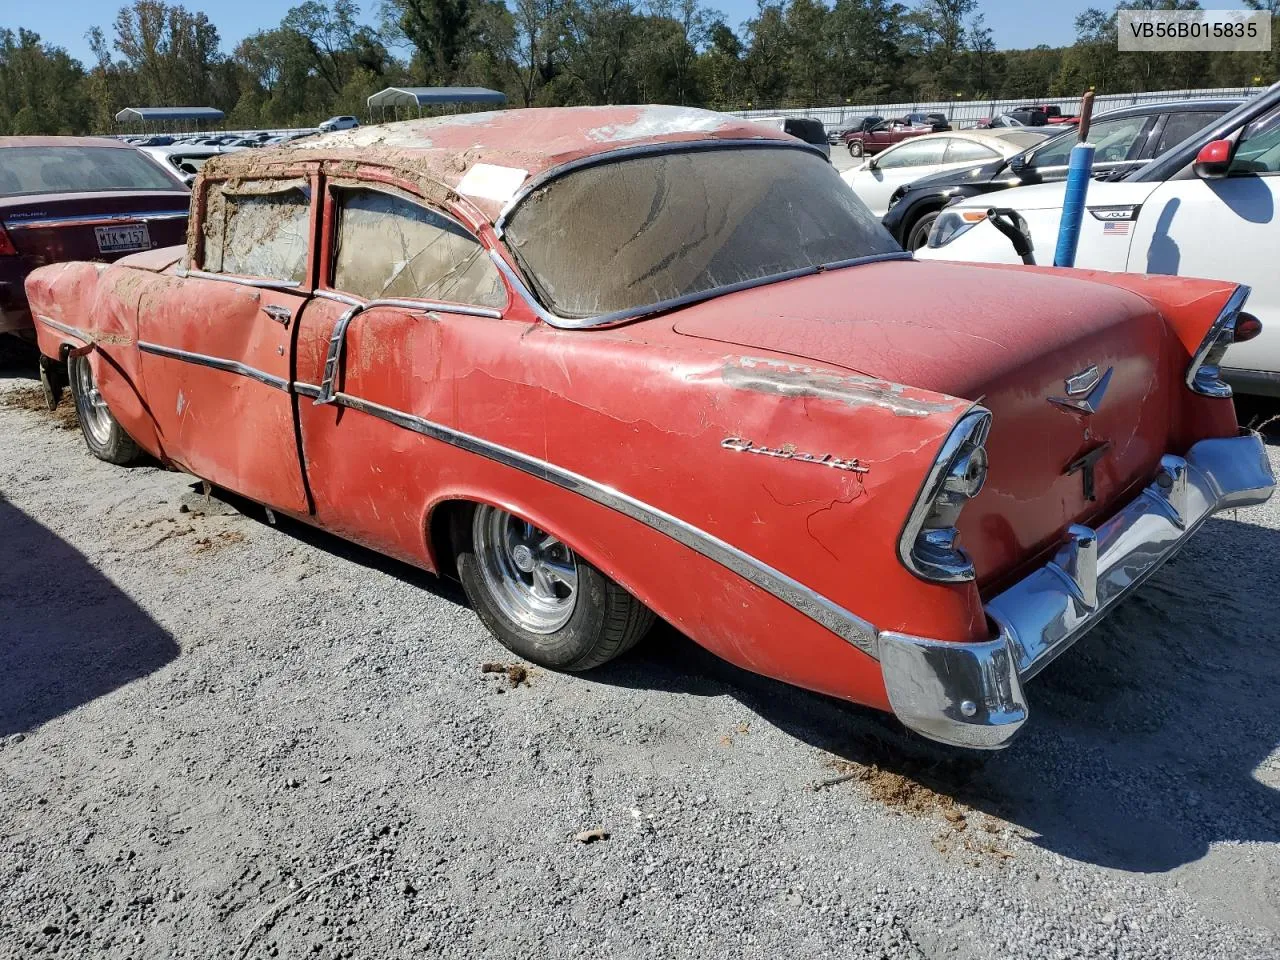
(1085,390)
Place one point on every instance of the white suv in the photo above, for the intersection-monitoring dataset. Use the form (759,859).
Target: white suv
(1207,207)
(339,123)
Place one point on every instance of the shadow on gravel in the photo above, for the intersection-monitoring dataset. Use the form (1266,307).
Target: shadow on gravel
(68,634)
(1143,739)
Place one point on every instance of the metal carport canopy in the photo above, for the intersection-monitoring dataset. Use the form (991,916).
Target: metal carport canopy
(168,113)
(426,96)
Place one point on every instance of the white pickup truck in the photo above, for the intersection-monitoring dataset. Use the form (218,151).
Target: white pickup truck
(1207,207)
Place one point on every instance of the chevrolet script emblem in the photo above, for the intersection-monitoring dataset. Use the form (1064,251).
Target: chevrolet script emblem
(1085,390)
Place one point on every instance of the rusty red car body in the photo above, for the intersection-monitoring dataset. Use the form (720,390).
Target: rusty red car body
(50,212)
(776,466)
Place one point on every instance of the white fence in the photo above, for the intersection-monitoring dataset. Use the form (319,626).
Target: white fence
(967,113)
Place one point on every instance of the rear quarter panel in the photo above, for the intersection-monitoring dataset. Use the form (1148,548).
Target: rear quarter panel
(97,305)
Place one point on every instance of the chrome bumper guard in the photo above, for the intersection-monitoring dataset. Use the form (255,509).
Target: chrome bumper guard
(970,694)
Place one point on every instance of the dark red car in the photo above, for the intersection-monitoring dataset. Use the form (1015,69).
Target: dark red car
(885,134)
(78,198)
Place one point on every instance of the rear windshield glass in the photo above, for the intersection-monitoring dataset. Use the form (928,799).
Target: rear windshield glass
(623,235)
(25,170)
(810,131)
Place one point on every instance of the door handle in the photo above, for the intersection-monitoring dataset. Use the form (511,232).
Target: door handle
(281,315)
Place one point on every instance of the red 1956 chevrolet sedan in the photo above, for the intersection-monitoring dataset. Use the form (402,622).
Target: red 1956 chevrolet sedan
(612,363)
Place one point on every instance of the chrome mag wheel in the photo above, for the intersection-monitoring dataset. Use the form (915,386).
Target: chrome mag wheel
(90,406)
(531,576)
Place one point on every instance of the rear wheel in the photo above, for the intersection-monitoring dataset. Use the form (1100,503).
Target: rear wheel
(103,435)
(541,600)
(919,233)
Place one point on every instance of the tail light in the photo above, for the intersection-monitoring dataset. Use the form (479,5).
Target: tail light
(929,547)
(7,249)
(1204,376)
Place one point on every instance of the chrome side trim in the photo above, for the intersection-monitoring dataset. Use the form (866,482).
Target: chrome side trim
(216,363)
(101,219)
(970,694)
(835,618)
(64,328)
(262,283)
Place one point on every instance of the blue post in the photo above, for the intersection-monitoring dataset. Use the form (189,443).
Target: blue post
(1078,173)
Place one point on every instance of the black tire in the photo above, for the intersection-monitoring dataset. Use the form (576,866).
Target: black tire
(856,148)
(103,435)
(918,235)
(605,621)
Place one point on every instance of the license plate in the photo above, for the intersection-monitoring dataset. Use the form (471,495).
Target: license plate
(134,236)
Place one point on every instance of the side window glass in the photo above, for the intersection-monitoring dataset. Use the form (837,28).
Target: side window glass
(965,151)
(258,228)
(1259,148)
(387,246)
(1179,126)
(912,154)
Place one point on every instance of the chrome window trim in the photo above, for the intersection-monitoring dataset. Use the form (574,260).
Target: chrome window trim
(216,363)
(119,218)
(517,280)
(409,303)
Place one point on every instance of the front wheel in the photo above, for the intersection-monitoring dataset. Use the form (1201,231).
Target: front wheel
(541,600)
(855,148)
(103,435)
(919,234)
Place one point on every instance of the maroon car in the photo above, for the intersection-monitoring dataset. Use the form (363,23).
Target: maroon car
(886,134)
(78,198)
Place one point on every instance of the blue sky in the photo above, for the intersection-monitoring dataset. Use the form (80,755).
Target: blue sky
(1015,23)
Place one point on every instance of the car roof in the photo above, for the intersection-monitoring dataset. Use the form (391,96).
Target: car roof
(1171,106)
(63,142)
(526,142)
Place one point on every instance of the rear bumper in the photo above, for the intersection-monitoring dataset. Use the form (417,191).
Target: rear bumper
(970,694)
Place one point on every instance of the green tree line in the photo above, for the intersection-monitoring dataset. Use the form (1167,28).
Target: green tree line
(323,60)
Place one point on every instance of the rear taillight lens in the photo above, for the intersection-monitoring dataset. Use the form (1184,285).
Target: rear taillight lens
(929,545)
(1204,376)
(7,249)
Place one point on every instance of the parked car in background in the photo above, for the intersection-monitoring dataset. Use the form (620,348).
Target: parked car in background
(1125,139)
(879,176)
(77,198)
(884,135)
(339,123)
(807,129)
(1207,207)
(182,160)
(846,469)
(1005,121)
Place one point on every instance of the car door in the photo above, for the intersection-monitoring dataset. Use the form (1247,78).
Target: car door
(406,289)
(1225,229)
(216,345)
(881,175)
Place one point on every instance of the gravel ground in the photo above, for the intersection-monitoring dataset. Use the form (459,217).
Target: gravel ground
(225,739)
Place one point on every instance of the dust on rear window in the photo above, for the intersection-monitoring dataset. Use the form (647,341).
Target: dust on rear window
(34,170)
(626,234)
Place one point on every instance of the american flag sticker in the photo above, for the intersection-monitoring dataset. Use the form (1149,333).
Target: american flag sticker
(1115,229)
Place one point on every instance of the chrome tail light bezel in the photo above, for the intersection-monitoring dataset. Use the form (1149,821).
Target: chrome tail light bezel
(1204,374)
(938,559)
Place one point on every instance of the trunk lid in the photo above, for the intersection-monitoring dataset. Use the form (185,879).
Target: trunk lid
(51,228)
(1011,341)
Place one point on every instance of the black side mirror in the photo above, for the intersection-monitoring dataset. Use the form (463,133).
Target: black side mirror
(1017,163)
